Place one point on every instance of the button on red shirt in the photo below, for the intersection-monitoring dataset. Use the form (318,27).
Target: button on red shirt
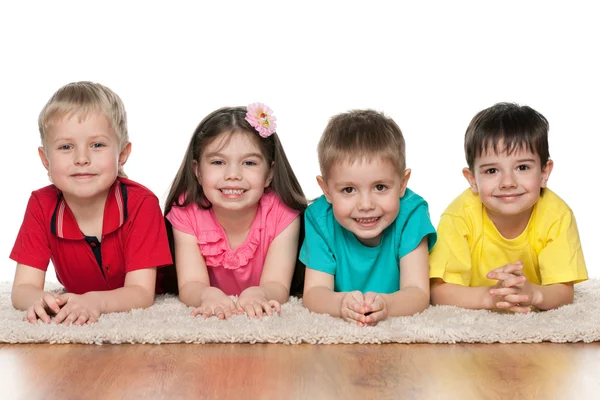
(133,237)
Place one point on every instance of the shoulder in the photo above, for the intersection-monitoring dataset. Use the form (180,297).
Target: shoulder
(319,209)
(135,192)
(465,203)
(551,206)
(47,194)
(270,201)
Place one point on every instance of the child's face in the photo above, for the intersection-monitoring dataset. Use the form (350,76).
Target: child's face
(365,196)
(233,174)
(508,185)
(83,157)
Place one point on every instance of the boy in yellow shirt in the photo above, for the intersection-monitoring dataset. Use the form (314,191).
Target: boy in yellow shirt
(508,242)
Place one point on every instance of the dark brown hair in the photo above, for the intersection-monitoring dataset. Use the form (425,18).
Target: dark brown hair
(517,127)
(230,121)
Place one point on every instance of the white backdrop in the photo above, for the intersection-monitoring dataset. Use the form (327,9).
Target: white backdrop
(429,65)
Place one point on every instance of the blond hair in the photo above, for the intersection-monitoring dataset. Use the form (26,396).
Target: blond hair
(81,99)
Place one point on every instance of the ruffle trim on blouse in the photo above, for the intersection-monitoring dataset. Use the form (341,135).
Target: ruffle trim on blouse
(216,252)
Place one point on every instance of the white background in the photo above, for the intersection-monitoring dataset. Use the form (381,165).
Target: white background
(429,65)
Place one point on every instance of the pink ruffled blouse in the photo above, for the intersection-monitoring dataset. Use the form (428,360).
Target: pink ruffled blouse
(233,270)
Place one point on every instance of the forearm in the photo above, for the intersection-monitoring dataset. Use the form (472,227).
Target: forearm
(275,291)
(552,296)
(475,298)
(123,299)
(323,300)
(24,295)
(407,301)
(191,293)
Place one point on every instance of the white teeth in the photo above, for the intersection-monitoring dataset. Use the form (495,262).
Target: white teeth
(232,191)
(366,220)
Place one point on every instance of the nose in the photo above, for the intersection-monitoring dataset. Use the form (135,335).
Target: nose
(81,157)
(233,172)
(508,180)
(365,202)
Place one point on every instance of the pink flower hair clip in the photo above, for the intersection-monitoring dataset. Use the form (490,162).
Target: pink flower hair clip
(262,119)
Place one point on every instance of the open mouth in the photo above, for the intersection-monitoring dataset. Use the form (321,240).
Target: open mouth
(366,221)
(232,191)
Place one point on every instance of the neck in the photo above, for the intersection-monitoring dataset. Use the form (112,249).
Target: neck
(89,213)
(511,226)
(235,222)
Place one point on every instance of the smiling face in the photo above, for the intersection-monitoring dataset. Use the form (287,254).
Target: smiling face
(233,172)
(508,184)
(365,196)
(82,156)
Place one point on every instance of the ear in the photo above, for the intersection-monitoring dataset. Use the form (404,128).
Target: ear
(270,175)
(43,158)
(324,188)
(124,155)
(405,179)
(470,177)
(546,173)
(196,167)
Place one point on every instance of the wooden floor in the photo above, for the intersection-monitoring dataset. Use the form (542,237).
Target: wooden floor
(274,371)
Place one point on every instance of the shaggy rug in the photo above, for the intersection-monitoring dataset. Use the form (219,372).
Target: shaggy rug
(169,321)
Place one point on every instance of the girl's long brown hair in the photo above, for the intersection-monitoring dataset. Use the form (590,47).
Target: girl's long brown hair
(228,121)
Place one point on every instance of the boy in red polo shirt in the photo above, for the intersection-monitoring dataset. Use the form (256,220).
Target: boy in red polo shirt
(104,233)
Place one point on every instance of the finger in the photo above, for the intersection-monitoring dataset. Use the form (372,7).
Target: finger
(513,281)
(92,320)
(275,304)
(82,319)
(60,317)
(227,312)
(258,309)
(505,305)
(51,303)
(219,313)
(41,313)
(522,299)
(30,315)
(197,311)
(369,298)
(378,304)
(499,275)
(72,317)
(520,309)
(375,317)
(503,291)
(353,315)
(207,312)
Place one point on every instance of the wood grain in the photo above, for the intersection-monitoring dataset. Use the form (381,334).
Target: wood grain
(275,371)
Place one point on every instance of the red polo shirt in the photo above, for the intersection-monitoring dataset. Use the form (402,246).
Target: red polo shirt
(133,237)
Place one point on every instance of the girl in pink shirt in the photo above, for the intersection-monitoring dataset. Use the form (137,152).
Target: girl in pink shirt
(235,207)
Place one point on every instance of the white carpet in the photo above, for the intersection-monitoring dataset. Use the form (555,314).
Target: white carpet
(168,321)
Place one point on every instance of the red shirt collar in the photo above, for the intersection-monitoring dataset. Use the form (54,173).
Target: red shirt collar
(64,225)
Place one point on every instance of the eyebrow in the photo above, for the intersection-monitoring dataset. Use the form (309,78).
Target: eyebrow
(70,138)
(247,155)
(378,182)
(531,160)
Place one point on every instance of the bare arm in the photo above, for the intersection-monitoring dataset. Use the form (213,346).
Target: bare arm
(413,296)
(475,298)
(319,295)
(28,286)
(549,297)
(279,265)
(192,274)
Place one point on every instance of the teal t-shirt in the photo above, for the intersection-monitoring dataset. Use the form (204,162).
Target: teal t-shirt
(330,248)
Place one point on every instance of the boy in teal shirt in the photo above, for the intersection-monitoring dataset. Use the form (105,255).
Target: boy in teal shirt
(368,237)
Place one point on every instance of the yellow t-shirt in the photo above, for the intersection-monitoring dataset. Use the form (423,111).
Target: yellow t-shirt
(469,245)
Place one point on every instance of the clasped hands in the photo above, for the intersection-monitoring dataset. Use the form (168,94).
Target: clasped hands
(513,292)
(363,309)
(66,308)
(251,301)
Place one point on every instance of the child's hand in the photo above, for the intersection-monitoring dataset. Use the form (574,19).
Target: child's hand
(217,303)
(50,303)
(375,308)
(353,308)
(77,309)
(253,302)
(513,292)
